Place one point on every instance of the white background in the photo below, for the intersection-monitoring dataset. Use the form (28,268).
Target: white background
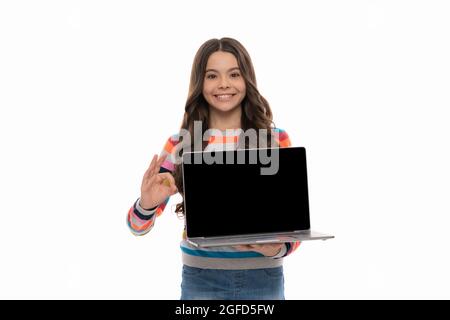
(90,90)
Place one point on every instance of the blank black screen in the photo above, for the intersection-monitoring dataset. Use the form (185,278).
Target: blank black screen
(232,199)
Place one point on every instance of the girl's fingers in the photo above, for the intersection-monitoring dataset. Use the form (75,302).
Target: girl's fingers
(160,162)
(151,175)
(150,167)
(157,165)
(261,246)
(242,247)
(146,180)
(167,179)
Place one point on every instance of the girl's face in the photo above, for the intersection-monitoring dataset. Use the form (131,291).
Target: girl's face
(223,86)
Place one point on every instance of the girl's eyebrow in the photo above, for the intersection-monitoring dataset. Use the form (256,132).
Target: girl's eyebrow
(218,71)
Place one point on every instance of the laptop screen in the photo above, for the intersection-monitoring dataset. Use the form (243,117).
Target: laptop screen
(259,191)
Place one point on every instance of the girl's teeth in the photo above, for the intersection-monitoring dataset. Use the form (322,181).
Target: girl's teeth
(224,97)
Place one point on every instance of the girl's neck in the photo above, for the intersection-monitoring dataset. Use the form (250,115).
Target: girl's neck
(225,120)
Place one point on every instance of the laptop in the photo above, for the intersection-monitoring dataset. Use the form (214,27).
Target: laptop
(247,196)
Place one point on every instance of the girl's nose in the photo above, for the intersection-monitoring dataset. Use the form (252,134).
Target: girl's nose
(224,83)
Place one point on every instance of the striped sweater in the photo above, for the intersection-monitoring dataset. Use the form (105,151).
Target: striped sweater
(141,221)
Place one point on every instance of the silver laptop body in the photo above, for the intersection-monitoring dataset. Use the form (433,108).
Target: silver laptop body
(247,196)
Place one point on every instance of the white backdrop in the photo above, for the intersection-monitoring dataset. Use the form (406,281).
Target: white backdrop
(90,90)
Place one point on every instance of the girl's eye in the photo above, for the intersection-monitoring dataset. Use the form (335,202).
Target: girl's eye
(213,76)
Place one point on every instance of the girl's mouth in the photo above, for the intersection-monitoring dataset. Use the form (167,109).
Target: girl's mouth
(224,97)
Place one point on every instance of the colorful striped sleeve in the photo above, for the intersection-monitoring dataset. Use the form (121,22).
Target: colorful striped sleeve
(139,220)
(281,137)
(283,140)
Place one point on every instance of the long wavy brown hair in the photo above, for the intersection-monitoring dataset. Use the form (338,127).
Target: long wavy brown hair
(256,112)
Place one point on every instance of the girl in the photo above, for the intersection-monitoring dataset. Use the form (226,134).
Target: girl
(222,95)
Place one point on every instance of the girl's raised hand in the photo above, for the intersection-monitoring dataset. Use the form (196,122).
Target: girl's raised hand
(156,187)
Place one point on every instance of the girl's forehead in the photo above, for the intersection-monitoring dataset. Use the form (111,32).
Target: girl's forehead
(221,60)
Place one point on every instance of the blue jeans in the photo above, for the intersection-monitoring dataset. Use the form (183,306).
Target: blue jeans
(213,284)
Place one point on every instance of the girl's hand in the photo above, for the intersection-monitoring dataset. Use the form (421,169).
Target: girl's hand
(268,249)
(156,187)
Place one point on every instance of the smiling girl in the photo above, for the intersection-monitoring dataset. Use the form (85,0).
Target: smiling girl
(223,95)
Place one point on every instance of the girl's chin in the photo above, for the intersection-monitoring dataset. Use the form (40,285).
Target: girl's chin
(224,108)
